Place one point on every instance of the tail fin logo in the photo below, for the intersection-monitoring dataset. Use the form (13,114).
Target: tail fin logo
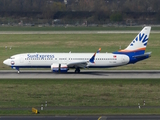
(141,38)
(139,43)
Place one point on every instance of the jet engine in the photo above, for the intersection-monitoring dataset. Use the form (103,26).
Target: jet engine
(59,67)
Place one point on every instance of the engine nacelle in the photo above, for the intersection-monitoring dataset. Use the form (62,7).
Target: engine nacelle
(59,67)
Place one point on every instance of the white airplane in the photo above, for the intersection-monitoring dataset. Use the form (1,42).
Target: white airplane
(62,62)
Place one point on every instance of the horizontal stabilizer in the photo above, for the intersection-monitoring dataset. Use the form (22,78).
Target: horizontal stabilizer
(148,54)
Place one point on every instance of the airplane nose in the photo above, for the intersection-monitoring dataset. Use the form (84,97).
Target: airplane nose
(5,62)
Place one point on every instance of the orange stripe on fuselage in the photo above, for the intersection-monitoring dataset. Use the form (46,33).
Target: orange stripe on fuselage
(132,50)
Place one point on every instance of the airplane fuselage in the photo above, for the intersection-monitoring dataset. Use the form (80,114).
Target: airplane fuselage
(45,60)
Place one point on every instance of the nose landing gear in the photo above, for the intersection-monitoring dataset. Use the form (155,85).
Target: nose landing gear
(17,70)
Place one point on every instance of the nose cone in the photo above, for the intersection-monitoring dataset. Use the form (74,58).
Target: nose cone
(6,62)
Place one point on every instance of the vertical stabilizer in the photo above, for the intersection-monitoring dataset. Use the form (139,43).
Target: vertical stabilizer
(136,49)
(140,41)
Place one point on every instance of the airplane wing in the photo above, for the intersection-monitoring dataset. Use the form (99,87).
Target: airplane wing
(78,64)
(83,64)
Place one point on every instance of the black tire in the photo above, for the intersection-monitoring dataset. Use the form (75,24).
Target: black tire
(77,70)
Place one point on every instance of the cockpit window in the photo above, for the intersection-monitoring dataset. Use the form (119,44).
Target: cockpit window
(12,58)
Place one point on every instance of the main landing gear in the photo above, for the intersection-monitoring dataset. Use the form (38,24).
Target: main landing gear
(77,70)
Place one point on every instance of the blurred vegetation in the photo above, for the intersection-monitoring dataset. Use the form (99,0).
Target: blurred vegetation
(90,10)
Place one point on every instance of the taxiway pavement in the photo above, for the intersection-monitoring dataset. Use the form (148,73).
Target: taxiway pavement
(72,32)
(84,74)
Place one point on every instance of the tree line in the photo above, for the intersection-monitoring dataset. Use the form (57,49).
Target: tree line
(80,5)
(115,10)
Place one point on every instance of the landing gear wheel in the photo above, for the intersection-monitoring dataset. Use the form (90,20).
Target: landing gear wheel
(77,70)
(18,70)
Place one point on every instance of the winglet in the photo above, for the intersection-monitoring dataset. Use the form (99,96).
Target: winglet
(92,58)
(99,50)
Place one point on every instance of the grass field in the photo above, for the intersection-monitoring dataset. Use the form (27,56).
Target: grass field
(36,28)
(124,94)
(77,43)
(100,28)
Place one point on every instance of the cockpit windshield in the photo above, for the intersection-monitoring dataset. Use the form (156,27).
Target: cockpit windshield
(12,57)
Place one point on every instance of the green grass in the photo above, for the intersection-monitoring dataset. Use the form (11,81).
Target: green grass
(77,43)
(100,28)
(24,94)
(105,111)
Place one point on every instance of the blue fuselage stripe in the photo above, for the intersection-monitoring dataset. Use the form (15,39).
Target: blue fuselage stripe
(132,54)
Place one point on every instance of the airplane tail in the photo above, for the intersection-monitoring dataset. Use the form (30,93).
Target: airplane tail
(136,49)
(140,41)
